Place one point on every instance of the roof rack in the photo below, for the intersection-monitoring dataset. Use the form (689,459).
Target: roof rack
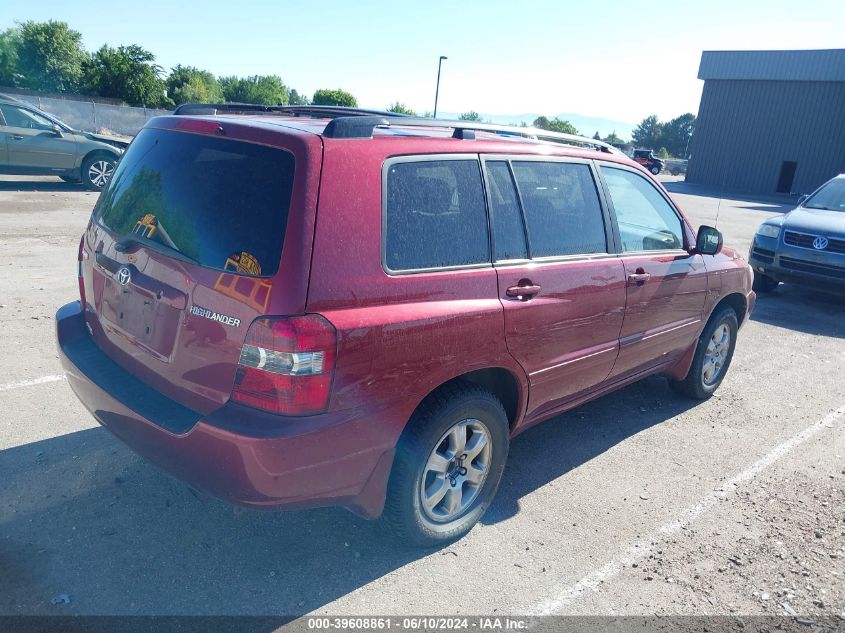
(317,111)
(363,126)
(360,122)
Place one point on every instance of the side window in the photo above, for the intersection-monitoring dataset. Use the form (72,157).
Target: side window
(646,221)
(435,216)
(18,117)
(508,233)
(562,208)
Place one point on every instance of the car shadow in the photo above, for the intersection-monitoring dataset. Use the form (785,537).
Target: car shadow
(803,309)
(557,446)
(86,517)
(50,186)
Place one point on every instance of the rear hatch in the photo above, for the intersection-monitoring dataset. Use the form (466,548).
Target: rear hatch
(183,252)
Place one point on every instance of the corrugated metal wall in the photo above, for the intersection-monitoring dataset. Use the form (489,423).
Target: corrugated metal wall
(746,129)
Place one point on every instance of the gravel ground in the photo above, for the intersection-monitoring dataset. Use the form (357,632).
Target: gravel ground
(638,503)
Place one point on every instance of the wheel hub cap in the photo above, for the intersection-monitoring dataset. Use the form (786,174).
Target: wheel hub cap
(99,172)
(716,354)
(456,470)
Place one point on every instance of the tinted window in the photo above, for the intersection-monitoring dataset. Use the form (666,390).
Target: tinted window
(830,197)
(646,221)
(562,208)
(223,203)
(509,236)
(435,215)
(18,117)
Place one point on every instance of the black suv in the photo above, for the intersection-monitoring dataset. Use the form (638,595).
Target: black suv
(647,159)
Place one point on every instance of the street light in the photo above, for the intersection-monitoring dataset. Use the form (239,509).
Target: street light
(437,90)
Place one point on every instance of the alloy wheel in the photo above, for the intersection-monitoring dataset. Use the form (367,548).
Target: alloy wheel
(456,470)
(99,172)
(716,354)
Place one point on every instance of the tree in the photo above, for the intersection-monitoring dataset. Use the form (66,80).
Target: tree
(49,56)
(647,134)
(128,73)
(613,139)
(187,84)
(9,57)
(597,136)
(261,89)
(677,134)
(295,98)
(401,108)
(472,115)
(337,97)
(555,125)
(663,153)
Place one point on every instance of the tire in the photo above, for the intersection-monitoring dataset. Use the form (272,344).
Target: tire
(654,169)
(763,283)
(96,170)
(431,434)
(675,172)
(696,384)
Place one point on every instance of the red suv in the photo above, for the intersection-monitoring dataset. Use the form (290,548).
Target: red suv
(312,306)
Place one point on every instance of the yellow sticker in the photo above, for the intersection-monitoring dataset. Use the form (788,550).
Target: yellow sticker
(243,262)
(146,226)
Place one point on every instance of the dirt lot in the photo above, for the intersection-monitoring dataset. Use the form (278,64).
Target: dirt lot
(638,503)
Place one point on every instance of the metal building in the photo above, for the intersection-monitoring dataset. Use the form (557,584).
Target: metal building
(769,121)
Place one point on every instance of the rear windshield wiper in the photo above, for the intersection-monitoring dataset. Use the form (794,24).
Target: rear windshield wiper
(127,241)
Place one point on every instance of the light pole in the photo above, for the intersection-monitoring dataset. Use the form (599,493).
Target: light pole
(437,90)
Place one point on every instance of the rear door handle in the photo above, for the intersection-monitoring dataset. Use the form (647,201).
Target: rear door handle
(523,292)
(17,137)
(639,277)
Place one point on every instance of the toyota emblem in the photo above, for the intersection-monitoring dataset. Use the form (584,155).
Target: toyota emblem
(820,243)
(123,276)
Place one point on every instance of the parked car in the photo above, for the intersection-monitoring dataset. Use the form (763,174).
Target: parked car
(807,245)
(647,159)
(306,306)
(35,143)
(676,166)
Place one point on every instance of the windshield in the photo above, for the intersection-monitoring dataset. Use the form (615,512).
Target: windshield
(830,197)
(221,203)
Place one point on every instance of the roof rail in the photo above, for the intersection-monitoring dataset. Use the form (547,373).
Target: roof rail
(318,111)
(363,126)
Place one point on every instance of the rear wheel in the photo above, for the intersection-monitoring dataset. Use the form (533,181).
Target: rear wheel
(96,171)
(712,358)
(655,170)
(763,283)
(448,465)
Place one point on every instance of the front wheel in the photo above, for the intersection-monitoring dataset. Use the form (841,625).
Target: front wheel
(448,465)
(763,283)
(655,170)
(712,358)
(96,171)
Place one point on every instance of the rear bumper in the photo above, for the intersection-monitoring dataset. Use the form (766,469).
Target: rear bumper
(236,453)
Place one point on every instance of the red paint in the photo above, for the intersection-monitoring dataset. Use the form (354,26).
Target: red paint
(591,326)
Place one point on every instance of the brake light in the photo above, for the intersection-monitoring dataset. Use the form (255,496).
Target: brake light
(287,365)
(81,256)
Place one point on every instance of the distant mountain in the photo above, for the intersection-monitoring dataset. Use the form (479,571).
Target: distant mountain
(585,125)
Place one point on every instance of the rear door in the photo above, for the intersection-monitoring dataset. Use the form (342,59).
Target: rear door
(666,286)
(562,289)
(32,144)
(184,250)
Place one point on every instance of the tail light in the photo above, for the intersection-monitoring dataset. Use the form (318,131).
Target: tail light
(82,255)
(287,365)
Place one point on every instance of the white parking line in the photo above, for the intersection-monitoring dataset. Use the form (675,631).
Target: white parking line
(29,383)
(643,547)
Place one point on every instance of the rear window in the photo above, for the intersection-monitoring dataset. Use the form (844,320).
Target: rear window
(436,216)
(222,203)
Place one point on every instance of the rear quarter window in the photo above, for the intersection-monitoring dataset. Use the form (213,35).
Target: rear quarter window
(435,215)
(220,202)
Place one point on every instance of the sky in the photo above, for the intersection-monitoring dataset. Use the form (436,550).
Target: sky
(620,60)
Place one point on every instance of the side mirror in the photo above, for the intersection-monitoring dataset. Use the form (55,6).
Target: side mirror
(709,241)
(57,131)
(802,199)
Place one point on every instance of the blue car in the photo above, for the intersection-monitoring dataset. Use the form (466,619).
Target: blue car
(807,245)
